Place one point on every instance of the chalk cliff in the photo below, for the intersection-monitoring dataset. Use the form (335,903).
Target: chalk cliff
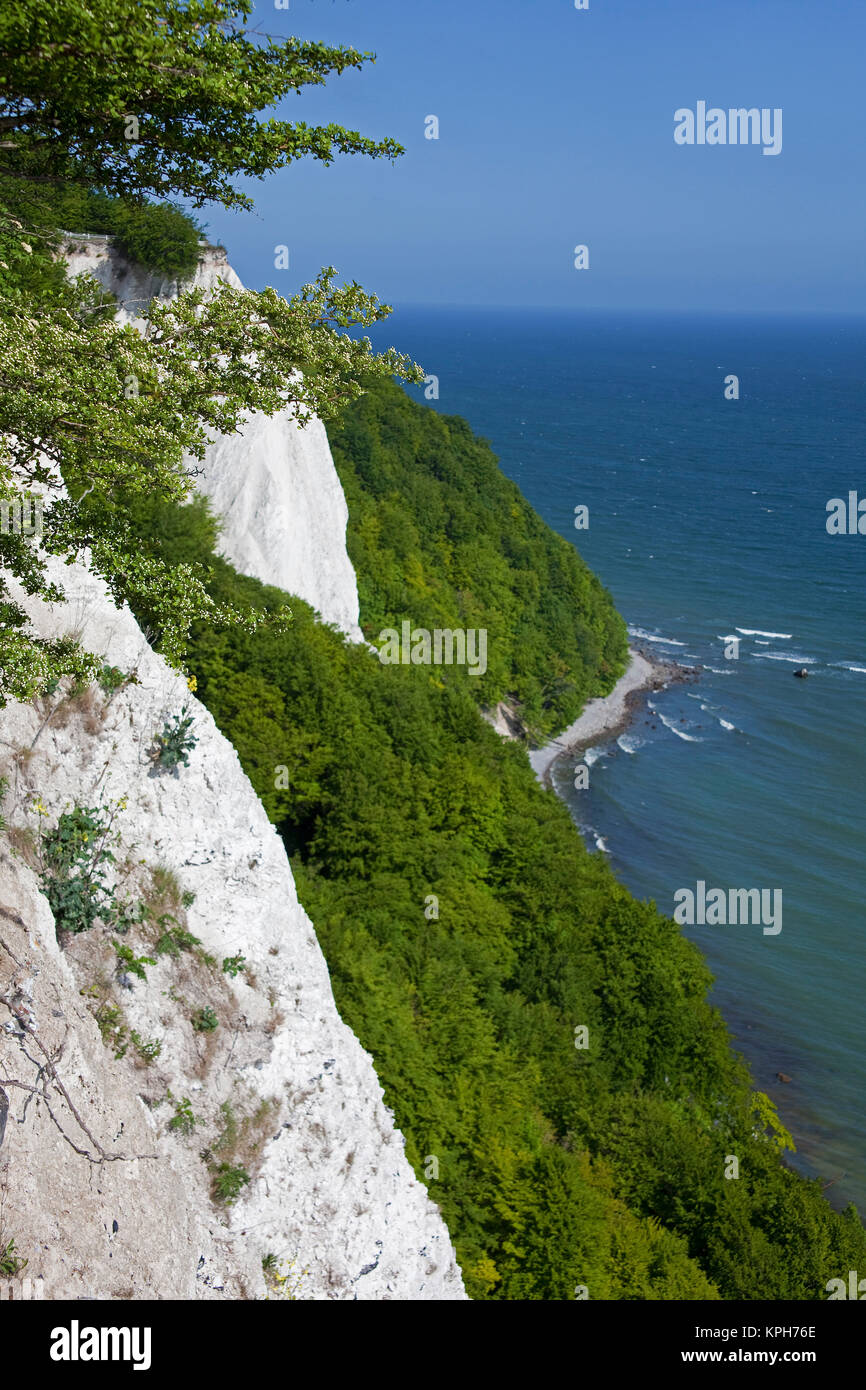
(148,1153)
(281,1087)
(274,485)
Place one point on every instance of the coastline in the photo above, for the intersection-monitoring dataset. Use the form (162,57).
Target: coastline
(607,716)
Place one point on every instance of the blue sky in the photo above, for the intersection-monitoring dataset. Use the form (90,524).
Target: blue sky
(556,129)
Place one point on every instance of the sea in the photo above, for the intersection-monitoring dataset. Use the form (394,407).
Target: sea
(707,507)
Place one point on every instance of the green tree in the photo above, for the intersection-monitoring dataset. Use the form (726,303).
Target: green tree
(159,97)
(92,410)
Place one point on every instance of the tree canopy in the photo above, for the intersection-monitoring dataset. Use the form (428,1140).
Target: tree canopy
(126,101)
(159,97)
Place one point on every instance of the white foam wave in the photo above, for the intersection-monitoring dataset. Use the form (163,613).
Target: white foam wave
(600,844)
(726,725)
(629,743)
(845,667)
(759,632)
(782,656)
(652,637)
(716,672)
(592,755)
(680,733)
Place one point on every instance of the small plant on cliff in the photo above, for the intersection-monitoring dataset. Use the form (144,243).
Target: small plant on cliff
(205,1020)
(227,1181)
(75,856)
(10,1263)
(174,938)
(129,962)
(148,1049)
(283,1280)
(183,1121)
(113,1029)
(111,679)
(174,744)
(233,965)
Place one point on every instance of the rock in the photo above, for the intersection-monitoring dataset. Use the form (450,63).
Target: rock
(780,1076)
(802,673)
(273,485)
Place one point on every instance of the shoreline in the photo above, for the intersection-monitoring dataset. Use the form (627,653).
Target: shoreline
(607,716)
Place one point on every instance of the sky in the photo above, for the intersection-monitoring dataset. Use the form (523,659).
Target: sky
(556,130)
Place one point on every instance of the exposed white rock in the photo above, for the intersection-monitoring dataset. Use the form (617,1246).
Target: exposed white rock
(273,485)
(332,1193)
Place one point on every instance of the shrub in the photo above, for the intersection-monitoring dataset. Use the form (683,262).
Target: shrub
(174,939)
(74,856)
(157,236)
(127,960)
(183,1121)
(227,1183)
(10,1263)
(205,1020)
(148,1049)
(109,1020)
(174,744)
(111,679)
(233,965)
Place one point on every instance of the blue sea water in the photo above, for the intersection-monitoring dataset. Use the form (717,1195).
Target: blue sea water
(708,519)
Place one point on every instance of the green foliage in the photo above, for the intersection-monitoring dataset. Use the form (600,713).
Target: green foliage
(227,1182)
(174,938)
(110,413)
(440,538)
(111,679)
(157,236)
(556,1167)
(10,1263)
(233,965)
(205,1020)
(190,77)
(129,962)
(148,1049)
(75,856)
(175,743)
(112,1028)
(183,1121)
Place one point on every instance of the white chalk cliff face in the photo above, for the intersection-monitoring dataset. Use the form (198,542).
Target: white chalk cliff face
(102,1190)
(273,485)
(281,1087)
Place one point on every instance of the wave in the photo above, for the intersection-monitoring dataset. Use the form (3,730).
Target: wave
(716,672)
(758,632)
(726,725)
(592,755)
(845,667)
(629,743)
(601,844)
(651,637)
(781,656)
(680,733)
